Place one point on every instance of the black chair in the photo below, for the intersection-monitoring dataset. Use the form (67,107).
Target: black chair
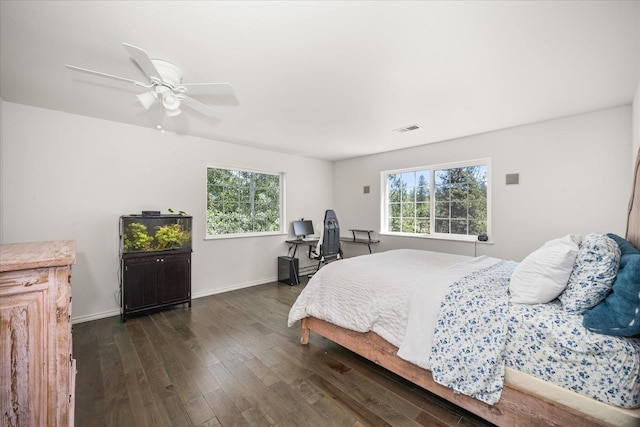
(328,248)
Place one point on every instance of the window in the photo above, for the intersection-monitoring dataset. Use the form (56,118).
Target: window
(243,202)
(441,200)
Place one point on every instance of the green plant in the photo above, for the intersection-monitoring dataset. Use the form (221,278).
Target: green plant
(181,213)
(172,236)
(136,238)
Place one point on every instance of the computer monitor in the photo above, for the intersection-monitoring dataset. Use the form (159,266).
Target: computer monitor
(302,228)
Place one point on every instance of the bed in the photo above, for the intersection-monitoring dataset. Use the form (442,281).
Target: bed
(583,378)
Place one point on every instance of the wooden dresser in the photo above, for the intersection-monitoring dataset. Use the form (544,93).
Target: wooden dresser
(37,370)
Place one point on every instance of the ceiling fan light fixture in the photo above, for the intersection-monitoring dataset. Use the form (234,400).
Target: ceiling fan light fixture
(164,84)
(173,113)
(170,101)
(146,99)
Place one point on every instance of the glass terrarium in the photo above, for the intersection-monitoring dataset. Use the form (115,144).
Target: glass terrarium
(153,233)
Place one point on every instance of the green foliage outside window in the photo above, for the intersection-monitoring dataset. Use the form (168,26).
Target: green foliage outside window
(240,202)
(445,201)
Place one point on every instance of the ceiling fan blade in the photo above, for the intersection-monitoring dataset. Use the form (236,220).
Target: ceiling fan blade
(199,106)
(111,76)
(209,88)
(144,62)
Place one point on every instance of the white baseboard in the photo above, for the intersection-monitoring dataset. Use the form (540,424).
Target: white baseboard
(233,288)
(95,316)
(111,313)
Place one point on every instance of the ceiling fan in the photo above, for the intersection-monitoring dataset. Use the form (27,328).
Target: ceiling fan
(165,85)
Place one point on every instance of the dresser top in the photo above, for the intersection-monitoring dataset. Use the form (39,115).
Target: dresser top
(22,256)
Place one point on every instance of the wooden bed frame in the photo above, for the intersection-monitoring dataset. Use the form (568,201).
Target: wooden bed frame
(516,407)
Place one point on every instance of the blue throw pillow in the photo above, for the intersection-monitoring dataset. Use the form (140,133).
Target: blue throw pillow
(619,313)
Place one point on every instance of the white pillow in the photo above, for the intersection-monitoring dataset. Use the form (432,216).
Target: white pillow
(544,274)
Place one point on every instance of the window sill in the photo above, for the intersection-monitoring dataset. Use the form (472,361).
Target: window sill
(243,235)
(465,239)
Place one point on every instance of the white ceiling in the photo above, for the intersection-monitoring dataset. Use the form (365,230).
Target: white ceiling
(329,79)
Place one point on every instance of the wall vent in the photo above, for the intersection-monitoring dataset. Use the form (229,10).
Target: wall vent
(407,128)
(513,178)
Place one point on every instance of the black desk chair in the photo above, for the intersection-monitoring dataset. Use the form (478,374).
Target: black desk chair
(328,248)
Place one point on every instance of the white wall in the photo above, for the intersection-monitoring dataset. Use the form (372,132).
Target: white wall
(574,178)
(65,176)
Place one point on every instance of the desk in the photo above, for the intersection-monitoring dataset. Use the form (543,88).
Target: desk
(359,238)
(294,243)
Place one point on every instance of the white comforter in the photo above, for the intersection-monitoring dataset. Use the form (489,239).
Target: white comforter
(425,306)
(376,293)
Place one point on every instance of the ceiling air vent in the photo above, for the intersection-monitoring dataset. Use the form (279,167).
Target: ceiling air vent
(407,128)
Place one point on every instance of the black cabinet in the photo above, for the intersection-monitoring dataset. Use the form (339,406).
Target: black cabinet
(155,280)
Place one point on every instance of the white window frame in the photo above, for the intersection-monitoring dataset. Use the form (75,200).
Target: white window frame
(384,202)
(283,204)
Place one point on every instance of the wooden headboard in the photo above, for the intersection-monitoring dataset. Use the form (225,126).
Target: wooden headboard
(633,220)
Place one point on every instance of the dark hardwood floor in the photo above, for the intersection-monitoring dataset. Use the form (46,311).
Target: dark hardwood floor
(232,360)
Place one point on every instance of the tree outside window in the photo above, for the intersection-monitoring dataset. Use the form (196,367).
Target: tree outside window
(243,202)
(438,200)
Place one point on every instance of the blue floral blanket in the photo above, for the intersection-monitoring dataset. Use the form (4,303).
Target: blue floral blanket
(468,352)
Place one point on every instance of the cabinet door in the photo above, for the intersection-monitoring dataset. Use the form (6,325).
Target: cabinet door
(176,285)
(140,284)
(25,321)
